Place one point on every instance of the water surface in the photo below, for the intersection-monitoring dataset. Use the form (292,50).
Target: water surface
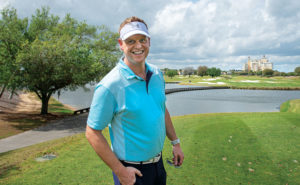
(201,101)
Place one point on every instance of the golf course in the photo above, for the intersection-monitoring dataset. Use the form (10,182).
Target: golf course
(220,148)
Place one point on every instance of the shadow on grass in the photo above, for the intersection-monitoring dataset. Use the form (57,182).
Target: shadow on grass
(6,170)
(28,124)
(24,122)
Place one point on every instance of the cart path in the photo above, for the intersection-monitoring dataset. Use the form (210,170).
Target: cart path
(54,130)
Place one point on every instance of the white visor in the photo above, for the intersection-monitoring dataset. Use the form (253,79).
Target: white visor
(133,28)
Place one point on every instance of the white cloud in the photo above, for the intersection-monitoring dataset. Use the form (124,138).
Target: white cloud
(187,32)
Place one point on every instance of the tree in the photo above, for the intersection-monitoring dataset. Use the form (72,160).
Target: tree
(188,71)
(171,73)
(202,71)
(63,55)
(267,72)
(213,72)
(12,34)
(297,70)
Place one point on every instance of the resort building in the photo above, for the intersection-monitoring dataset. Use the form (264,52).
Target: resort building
(258,64)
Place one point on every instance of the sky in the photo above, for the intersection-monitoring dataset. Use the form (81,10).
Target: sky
(192,33)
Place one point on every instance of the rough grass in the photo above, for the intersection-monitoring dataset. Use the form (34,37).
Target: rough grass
(220,148)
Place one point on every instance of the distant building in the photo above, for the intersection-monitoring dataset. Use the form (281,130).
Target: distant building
(258,64)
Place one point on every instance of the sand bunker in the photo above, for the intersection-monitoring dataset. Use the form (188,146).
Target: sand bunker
(212,79)
(250,81)
(212,83)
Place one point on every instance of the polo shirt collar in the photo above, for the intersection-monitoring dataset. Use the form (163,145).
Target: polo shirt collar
(127,72)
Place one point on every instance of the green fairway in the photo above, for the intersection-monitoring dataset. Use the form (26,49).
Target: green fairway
(220,148)
(239,148)
(244,82)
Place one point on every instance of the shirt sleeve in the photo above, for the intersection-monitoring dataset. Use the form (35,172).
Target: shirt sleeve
(102,108)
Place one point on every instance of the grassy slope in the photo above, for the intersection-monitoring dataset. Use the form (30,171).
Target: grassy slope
(291,106)
(224,148)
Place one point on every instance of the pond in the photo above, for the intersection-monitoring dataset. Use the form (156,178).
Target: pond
(202,101)
(227,100)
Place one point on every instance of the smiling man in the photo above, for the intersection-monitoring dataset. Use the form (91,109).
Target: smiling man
(130,100)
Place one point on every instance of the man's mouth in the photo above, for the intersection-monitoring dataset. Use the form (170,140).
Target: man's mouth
(138,52)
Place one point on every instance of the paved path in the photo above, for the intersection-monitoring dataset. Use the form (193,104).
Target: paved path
(62,128)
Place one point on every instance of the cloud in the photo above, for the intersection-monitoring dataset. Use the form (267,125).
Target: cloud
(283,9)
(188,32)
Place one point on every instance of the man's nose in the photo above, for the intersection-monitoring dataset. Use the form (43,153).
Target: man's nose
(138,44)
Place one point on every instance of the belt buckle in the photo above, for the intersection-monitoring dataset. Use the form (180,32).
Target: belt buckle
(152,160)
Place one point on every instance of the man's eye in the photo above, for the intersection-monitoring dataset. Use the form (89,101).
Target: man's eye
(130,42)
(143,41)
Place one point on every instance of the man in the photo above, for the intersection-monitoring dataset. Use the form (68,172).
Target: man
(130,99)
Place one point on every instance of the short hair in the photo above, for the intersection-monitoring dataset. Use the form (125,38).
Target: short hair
(131,19)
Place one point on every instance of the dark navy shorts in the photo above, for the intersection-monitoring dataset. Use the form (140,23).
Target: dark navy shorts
(153,174)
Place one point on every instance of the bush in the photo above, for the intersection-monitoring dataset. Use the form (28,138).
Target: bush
(277,73)
(268,72)
(291,74)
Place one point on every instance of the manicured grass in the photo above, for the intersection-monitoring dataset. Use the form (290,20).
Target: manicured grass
(244,82)
(220,148)
(239,148)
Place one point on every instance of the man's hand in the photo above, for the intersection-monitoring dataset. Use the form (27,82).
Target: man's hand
(127,175)
(177,155)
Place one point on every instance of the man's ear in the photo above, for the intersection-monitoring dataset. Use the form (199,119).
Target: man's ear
(120,44)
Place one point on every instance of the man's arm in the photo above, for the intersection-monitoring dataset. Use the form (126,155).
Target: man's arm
(126,175)
(171,134)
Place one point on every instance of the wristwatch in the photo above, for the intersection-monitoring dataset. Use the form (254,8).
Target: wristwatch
(176,141)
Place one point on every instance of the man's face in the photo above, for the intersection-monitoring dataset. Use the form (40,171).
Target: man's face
(135,48)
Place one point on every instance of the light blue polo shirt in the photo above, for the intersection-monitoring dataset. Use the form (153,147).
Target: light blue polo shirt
(134,113)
